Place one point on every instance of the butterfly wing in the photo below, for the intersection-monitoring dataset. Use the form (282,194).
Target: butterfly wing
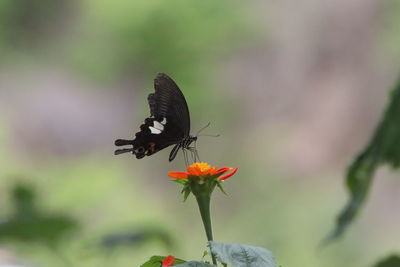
(168,124)
(168,101)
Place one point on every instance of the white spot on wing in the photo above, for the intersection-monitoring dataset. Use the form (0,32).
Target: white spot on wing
(164,121)
(154,130)
(158,125)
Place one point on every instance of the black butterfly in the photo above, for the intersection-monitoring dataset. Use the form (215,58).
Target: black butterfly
(169,123)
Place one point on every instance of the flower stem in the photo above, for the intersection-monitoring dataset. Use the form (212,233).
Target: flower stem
(203,201)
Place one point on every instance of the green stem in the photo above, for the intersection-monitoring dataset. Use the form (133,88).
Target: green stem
(203,200)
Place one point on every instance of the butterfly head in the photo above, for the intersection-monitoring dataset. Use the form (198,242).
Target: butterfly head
(186,142)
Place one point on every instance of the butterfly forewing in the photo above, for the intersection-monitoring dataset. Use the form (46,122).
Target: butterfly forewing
(168,124)
(170,102)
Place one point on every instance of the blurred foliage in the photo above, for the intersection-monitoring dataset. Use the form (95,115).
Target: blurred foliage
(104,198)
(104,39)
(384,148)
(26,23)
(391,28)
(391,261)
(137,238)
(30,224)
(151,36)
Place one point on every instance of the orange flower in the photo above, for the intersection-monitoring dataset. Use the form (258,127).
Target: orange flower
(202,169)
(168,261)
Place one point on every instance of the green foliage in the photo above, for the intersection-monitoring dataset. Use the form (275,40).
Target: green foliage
(391,38)
(30,224)
(186,192)
(177,37)
(219,184)
(156,261)
(138,237)
(191,185)
(384,147)
(25,22)
(105,40)
(239,255)
(195,264)
(391,261)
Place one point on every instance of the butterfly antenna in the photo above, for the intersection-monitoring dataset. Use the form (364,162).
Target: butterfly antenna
(212,135)
(199,131)
(185,157)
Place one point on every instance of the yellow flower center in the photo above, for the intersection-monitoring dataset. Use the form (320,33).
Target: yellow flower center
(201,168)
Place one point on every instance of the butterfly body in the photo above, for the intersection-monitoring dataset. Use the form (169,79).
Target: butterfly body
(169,123)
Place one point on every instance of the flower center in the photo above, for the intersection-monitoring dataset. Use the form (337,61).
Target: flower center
(200,168)
(203,166)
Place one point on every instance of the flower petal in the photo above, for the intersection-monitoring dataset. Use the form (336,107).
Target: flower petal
(226,176)
(178,175)
(223,170)
(168,261)
(194,170)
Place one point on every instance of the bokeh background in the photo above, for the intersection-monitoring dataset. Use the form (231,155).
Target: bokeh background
(294,88)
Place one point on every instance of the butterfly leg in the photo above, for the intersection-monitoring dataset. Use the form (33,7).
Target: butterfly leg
(195,151)
(194,154)
(197,155)
(185,157)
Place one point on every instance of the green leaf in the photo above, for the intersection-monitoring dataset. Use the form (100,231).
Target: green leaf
(391,261)
(195,264)
(205,253)
(178,261)
(180,181)
(384,147)
(186,192)
(155,261)
(221,188)
(239,255)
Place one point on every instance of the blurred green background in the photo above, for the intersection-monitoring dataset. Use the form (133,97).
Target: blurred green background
(295,90)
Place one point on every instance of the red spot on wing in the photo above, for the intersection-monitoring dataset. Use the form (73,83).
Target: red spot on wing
(152,147)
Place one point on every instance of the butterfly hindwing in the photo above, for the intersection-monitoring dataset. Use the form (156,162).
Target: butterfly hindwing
(155,134)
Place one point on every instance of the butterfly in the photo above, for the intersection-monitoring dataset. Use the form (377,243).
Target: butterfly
(168,124)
